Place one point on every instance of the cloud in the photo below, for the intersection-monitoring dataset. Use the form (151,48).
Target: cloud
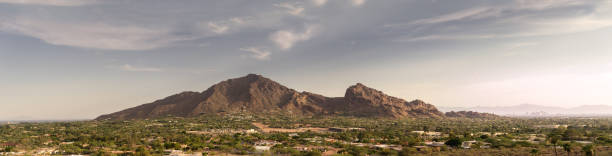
(49,2)
(216,28)
(519,45)
(257,53)
(547,4)
(494,11)
(515,49)
(474,13)
(238,20)
(285,39)
(357,2)
(92,35)
(291,8)
(128,67)
(542,28)
(223,26)
(319,2)
(509,21)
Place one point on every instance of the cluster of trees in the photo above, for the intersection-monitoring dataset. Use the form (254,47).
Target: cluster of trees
(8,149)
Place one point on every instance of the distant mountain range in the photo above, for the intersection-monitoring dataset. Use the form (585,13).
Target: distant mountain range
(538,110)
(257,94)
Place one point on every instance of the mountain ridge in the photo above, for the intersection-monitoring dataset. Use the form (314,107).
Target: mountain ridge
(538,110)
(257,94)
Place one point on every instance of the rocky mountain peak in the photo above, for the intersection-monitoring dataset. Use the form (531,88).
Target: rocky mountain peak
(362,93)
(257,94)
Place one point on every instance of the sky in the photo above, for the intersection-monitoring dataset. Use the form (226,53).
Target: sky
(77,59)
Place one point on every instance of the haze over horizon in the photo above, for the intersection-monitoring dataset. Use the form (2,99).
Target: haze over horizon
(78,59)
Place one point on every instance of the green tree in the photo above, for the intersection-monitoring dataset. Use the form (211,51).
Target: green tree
(312,153)
(588,150)
(9,149)
(483,137)
(357,151)
(568,148)
(407,151)
(140,151)
(453,142)
(554,139)
(534,152)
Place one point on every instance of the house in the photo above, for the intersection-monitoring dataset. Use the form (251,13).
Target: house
(315,139)
(265,145)
(550,126)
(330,140)
(336,129)
(310,148)
(584,142)
(267,142)
(250,131)
(428,134)
(384,146)
(359,144)
(485,145)
(262,148)
(418,132)
(434,144)
(46,151)
(434,134)
(468,144)
(180,153)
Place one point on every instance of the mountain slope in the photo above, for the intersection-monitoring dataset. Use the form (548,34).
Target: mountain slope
(469,114)
(257,94)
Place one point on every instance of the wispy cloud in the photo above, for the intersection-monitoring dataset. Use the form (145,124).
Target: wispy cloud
(257,53)
(238,20)
(513,46)
(49,2)
(128,67)
(358,2)
(474,13)
(285,39)
(292,9)
(547,4)
(516,49)
(543,27)
(92,35)
(319,2)
(223,26)
(216,28)
(509,21)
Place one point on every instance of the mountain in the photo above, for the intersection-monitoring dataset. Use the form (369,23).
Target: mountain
(538,110)
(260,95)
(469,114)
(363,101)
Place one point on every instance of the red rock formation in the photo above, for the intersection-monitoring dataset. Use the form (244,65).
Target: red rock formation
(257,94)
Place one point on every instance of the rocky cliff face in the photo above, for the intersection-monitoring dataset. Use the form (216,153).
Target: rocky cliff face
(364,101)
(257,94)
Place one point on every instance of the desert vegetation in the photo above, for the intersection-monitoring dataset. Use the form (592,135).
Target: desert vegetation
(241,134)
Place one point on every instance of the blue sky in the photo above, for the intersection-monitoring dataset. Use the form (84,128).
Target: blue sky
(75,59)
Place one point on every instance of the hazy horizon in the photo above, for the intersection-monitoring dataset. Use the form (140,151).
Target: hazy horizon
(78,59)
